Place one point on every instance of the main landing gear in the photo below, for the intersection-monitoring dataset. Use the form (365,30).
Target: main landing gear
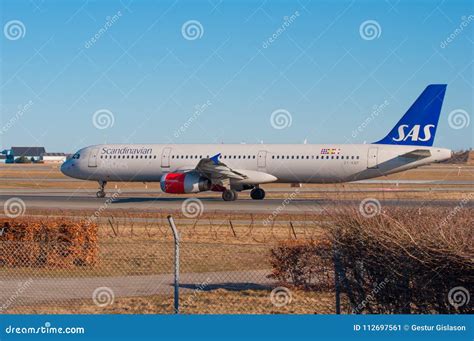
(101,192)
(257,193)
(229,195)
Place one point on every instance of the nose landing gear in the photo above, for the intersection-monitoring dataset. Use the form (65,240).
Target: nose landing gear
(101,192)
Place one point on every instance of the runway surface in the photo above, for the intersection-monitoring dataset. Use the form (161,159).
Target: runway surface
(80,201)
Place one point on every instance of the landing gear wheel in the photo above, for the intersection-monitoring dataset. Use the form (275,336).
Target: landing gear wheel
(229,195)
(257,194)
(101,192)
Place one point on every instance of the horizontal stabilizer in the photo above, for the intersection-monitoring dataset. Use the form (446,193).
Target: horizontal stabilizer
(417,154)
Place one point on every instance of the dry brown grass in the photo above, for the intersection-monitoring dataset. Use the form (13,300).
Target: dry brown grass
(218,301)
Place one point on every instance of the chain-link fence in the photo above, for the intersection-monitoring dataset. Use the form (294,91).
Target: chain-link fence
(362,265)
(136,276)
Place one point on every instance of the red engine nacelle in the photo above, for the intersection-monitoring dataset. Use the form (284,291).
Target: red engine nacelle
(179,183)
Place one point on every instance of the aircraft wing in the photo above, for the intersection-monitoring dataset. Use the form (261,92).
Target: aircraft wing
(417,154)
(217,171)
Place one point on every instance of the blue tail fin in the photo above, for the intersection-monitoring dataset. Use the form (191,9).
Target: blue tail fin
(418,125)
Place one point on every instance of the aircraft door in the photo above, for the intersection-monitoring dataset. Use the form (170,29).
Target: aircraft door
(262,159)
(93,157)
(372,157)
(165,157)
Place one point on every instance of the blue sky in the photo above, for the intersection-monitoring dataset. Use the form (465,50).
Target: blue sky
(145,75)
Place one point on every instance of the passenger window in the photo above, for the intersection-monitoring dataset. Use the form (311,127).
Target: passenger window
(254,156)
(352,157)
(297,156)
(357,158)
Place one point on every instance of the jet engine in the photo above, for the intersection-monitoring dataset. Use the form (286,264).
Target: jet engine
(179,183)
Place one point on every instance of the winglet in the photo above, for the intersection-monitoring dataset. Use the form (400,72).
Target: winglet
(215,158)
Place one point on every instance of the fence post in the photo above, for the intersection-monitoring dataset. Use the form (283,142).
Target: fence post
(176,263)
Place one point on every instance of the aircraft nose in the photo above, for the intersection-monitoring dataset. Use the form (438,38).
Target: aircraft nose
(65,168)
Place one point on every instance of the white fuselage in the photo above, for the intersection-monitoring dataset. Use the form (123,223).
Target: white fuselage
(288,163)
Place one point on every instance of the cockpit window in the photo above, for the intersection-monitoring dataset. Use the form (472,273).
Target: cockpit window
(76,156)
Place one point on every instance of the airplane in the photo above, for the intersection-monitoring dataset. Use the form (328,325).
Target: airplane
(233,168)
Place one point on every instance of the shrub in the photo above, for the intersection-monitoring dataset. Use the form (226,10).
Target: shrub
(399,261)
(47,242)
(405,260)
(303,264)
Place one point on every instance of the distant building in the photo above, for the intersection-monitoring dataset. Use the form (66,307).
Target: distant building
(31,153)
(53,157)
